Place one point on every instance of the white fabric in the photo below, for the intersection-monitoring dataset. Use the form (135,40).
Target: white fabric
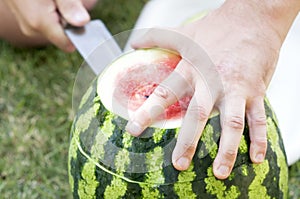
(283,92)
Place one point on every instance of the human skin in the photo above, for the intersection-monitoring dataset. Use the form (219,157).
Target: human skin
(243,40)
(31,23)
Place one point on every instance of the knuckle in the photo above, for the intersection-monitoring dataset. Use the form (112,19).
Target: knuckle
(162,93)
(229,154)
(259,120)
(199,112)
(188,147)
(260,141)
(235,122)
(27,30)
(34,24)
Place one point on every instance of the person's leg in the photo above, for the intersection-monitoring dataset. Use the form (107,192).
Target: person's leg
(10,30)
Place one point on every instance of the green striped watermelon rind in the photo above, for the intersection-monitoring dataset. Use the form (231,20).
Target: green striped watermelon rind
(90,175)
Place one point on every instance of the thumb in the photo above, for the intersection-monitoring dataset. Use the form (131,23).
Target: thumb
(73,11)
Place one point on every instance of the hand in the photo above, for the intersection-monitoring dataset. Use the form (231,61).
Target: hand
(41,18)
(243,40)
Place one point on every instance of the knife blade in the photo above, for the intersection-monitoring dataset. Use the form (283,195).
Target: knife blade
(95,44)
(97,47)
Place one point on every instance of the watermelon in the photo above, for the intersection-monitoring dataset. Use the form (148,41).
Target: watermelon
(107,162)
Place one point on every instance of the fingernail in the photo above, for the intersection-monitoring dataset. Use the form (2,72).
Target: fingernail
(134,128)
(183,163)
(80,17)
(70,48)
(259,157)
(223,170)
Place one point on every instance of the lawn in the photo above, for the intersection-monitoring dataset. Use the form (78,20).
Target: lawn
(36,112)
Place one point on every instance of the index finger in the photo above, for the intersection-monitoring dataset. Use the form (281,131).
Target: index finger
(171,90)
(54,32)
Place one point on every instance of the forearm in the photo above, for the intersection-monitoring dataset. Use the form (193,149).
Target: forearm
(277,14)
(280,14)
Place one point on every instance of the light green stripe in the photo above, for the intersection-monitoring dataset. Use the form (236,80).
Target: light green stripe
(85,97)
(72,155)
(116,189)
(184,189)
(150,191)
(84,121)
(88,184)
(256,188)
(218,188)
(210,145)
(108,127)
(243,148)
(157,135)
(122,160)
(177,131)
(281,161)
(102,137)
(154,161)
(96,107)
(127,140)
(97,151)
(81,125)
(118,186)
(244,169)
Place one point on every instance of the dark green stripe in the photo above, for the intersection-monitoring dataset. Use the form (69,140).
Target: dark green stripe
(104,180)
(81,124)
(134,191)
(256,188)
(76,168)
(277,160)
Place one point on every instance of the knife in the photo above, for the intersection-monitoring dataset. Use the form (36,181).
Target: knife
(97,47)
(95,44)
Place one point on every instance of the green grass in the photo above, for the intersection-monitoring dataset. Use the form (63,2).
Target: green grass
(36,86)
(36,114)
